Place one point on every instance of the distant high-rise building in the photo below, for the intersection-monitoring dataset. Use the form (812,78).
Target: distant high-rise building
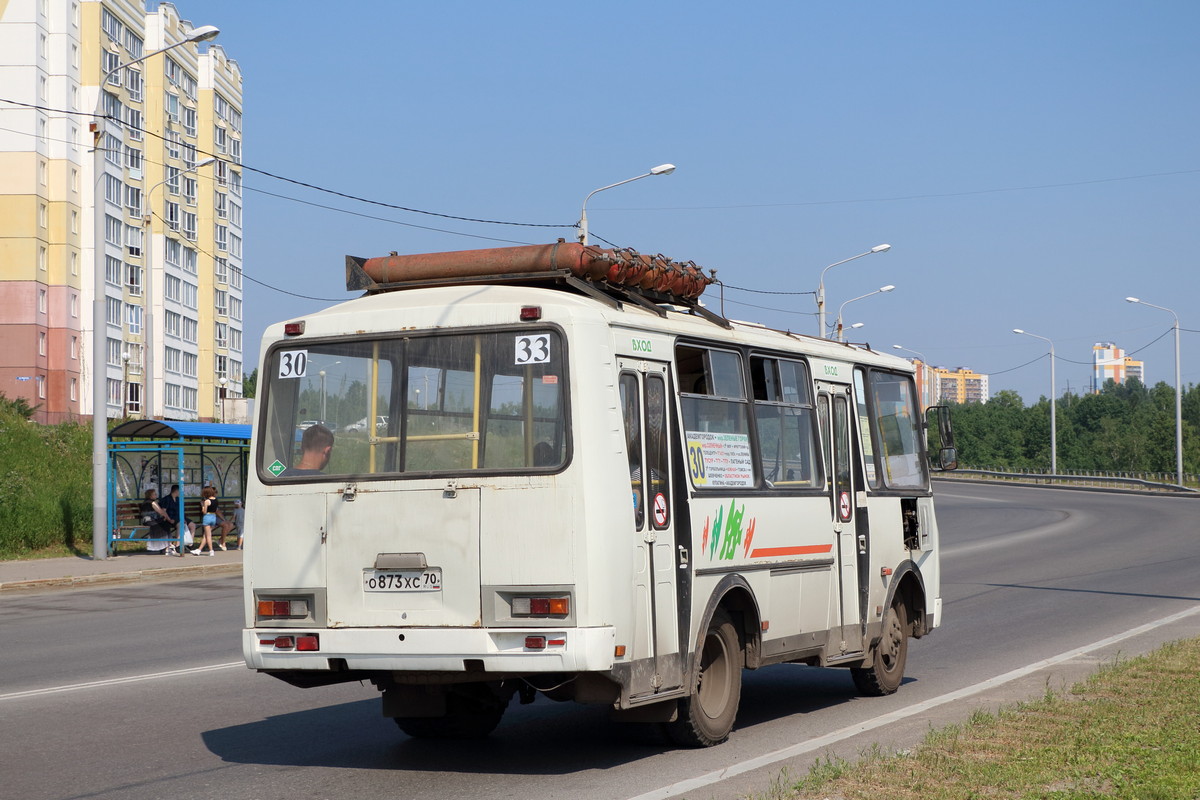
(962,385)
(1109,362)
(166,233)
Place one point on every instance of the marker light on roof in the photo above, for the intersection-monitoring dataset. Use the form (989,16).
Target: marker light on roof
(293,328)
(531,313)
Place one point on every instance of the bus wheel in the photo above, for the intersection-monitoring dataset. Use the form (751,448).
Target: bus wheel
(706,717)
(471,713)
(884,676)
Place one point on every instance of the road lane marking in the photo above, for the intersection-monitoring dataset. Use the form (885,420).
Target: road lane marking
(767,759)
(74,687)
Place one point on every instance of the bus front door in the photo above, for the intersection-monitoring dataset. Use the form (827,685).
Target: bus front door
(833,408)
(658,666)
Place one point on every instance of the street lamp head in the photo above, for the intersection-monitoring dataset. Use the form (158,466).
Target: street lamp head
(858,325)
(887,288)
(1017,330)
(663,169)
(881,248)
(205,33)
(1132,300)
(205,163)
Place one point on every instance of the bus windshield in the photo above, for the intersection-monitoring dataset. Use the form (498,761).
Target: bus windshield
(441,403)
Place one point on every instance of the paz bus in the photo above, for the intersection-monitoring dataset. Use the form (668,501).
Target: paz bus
(583,483)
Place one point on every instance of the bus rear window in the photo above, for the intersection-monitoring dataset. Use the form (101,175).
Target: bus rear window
(420,404)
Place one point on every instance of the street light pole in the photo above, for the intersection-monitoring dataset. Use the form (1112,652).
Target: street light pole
(148,284)
(1178,392)
(1053,426)
(661,169)
(99,323)
(880,290)
(879,248)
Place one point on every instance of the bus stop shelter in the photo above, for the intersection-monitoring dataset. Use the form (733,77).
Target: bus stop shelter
(155,454)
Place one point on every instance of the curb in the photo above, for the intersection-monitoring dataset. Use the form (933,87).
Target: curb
(114,578)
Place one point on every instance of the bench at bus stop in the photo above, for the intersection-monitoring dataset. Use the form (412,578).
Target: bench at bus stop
(129,528)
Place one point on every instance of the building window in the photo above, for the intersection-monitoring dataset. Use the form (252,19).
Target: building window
(172,395)
(133,317)
(235,214)
(75,305)
(74,390)
(222,334)
(222,302)
(41,343)
(189,364)
(173,176)
(133,82)
(189,225)
(172,360)
(235,245)
(133,200)
(133,160)
(189,190)
(134,44)
(112,271)
(220,139)
(133,118)
(189,399)
(113,228)
(235,276)
(74,221)
(111,26)
(235,340)
(112,189)
(133,279)
(221,269)
(43,216)
(42,258)
(111,64)
(174,250)
(190,294)
(235,308)
(172,324)
(114,392)
(112,149)
(189,260)
(112,312)
(189,121)
(173,110)
(113,351)
(74,263)
(174,288)
(74,348)
(190,330)
(219,202)
(41,386)
(172,215)
(42,300)
(133,398)
(221,235)
(133,240)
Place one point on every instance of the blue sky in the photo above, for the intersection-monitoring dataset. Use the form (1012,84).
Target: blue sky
(1030,163)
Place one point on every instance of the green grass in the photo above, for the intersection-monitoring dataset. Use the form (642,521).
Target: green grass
(45,487)
(1131,731)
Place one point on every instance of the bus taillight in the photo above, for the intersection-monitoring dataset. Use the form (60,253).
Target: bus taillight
(282,608)
(541,606)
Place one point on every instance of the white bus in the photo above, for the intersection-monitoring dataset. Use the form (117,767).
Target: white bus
(585,484)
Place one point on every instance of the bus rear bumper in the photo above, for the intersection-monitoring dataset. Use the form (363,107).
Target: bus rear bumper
(510,650)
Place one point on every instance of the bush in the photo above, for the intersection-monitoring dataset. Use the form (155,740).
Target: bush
(45,484)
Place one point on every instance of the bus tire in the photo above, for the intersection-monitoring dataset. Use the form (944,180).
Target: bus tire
(469,715)
(706,716)
(886,672)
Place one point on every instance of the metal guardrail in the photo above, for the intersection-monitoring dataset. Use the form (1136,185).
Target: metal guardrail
(1077,479)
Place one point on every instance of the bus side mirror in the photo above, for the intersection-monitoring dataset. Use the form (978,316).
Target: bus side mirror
(939,438)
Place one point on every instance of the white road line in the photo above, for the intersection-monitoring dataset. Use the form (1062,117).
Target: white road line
(74,687)
(700,781)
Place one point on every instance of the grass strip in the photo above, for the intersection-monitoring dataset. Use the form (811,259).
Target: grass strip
(1132,730)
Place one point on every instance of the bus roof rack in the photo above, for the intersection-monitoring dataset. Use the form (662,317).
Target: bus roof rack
(611,276)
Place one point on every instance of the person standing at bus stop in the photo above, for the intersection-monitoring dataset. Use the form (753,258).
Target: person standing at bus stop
(208,519)
(173,508)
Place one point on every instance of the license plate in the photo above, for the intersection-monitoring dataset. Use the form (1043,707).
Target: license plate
(427,580)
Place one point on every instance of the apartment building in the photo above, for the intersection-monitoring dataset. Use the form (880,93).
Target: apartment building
(1109,362)
(962,385)
(110,186)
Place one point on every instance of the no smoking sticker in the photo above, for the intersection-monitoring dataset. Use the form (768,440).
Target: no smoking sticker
(660,509)
(844,506)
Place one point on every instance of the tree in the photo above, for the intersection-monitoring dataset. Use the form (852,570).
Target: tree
(250,384)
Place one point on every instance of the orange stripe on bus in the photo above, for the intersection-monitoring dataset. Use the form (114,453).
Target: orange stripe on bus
(768,552)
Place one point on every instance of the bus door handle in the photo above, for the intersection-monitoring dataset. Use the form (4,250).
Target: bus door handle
(862,544)
(683,557)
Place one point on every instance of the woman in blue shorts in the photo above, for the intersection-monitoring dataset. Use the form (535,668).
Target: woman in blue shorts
(208,518)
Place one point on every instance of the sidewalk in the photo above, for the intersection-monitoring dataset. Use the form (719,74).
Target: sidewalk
(55,573)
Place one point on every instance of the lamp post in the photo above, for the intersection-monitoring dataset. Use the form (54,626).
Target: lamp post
(322,374)
(1178,392)
(661,169)
(148,284)
(1053,425)
(125,383)
(879,248)
(221,395)
(99,326)
(880,290)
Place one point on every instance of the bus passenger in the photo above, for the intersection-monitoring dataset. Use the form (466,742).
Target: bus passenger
(315,448)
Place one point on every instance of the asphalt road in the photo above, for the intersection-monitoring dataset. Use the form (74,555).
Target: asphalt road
(138,692)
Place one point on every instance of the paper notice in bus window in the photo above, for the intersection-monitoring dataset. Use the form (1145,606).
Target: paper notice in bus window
(719,460)
(293,363)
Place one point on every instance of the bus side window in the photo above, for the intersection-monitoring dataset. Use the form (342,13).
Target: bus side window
(784,416)
(632,414)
